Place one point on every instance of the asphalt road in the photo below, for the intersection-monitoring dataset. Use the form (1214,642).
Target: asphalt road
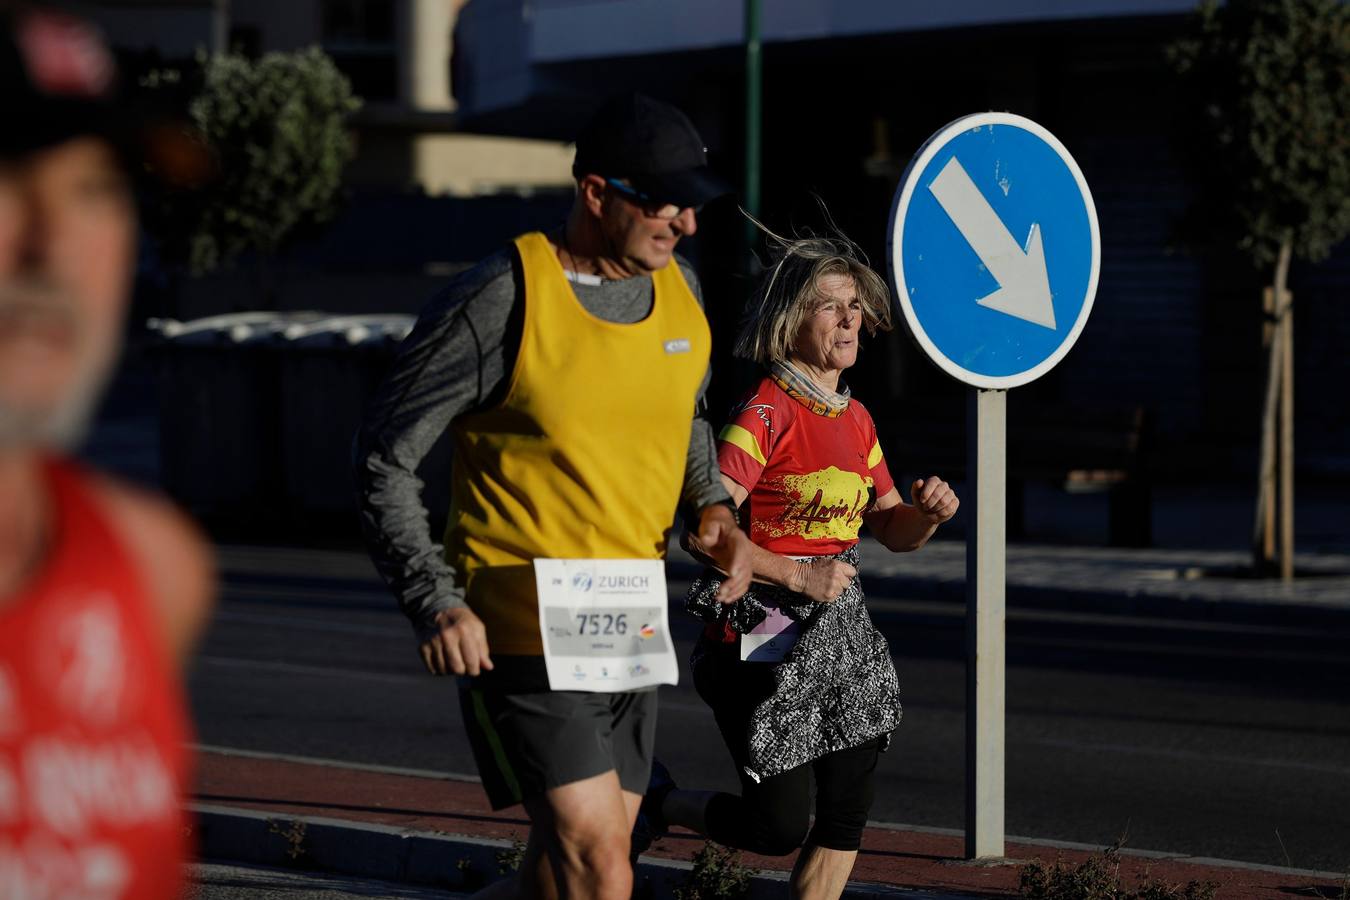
(1212,740)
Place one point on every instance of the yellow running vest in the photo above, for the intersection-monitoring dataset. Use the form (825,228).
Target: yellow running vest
(585,456)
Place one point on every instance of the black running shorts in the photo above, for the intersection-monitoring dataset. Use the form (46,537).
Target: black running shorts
(528,741)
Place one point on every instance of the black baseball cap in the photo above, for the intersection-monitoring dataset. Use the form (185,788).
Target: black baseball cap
(653,146)
(60,82)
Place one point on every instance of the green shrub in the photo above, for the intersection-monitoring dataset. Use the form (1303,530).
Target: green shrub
(1098,878)
(1267,84)
(277,127)
(717,875)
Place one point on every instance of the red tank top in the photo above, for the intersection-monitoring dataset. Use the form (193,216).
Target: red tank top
(92,722)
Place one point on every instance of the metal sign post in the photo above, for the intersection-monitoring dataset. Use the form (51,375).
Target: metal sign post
(994,259)
(986,461)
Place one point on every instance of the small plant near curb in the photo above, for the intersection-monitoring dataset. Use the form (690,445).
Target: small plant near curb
(510,858)
(293,832)
(717,875)
(1098,878)
(469,877)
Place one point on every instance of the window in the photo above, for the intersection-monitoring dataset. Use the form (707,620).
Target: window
(360,36)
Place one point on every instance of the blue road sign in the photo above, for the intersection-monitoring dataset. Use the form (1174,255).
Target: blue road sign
(994,250)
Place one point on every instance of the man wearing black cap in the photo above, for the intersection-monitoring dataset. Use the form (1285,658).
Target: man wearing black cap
(103,588)
(568,369)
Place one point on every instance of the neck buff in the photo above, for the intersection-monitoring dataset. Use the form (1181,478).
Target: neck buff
(806,392)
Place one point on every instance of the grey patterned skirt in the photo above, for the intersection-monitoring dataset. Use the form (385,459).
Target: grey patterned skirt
(835,689)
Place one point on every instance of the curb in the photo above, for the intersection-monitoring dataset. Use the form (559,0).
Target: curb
(453,862)
(1133,600)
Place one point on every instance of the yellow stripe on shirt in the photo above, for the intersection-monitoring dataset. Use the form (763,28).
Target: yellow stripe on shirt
(737,436)
(875,456)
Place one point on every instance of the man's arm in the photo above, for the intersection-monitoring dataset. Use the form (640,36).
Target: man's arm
(702,479)
(452,362)
(705,499)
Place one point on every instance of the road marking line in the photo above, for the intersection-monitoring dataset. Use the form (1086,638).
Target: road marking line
(378,601)
(957,610)
(1185,754)
(264,665)
(334,763)
(314,624)
(1123,646)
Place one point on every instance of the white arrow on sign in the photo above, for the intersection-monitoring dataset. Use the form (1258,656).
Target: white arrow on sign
(1024,283)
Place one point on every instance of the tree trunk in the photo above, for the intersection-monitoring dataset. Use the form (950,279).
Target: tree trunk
(1273,425)
(1263,540)
(1285,306)
(1263,537)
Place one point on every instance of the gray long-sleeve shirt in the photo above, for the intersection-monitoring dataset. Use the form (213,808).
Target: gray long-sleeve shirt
(459,359)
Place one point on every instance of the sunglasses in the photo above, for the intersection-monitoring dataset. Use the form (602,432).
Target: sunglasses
(651,207)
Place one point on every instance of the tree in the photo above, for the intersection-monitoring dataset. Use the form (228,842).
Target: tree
(1269,85)
(277,127)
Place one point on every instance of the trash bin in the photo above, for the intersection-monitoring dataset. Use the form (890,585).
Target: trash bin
(258,410)
(218,413)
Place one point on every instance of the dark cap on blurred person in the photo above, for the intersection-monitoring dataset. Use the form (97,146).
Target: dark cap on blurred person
(58,81)
(651,144)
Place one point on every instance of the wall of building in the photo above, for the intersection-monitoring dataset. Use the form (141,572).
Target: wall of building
(174,28)
(1175,330)
(400,64)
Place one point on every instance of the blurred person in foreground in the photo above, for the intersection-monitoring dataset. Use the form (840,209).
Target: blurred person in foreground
(103,588)
(799,680)
(569,368)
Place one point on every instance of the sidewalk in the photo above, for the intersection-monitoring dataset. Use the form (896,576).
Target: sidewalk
(436,828)
(1190,583)
(1197,584)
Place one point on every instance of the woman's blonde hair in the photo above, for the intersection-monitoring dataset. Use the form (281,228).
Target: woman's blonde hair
(790,289)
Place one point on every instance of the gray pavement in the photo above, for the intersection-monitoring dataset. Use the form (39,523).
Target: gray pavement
(1180,582)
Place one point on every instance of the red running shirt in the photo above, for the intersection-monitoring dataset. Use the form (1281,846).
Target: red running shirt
(92,723)
(810,477)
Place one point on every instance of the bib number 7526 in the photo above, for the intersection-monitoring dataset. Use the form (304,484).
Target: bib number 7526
(602,623)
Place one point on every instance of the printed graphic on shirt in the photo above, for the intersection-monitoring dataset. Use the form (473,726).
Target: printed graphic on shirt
(9,708)
(92,663)
(809,477)
(828,503)
(41,868)
(82,772)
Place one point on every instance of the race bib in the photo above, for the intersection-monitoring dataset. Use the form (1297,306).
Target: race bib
(603,624)
(770,640)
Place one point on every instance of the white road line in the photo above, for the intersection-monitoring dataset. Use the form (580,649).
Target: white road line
(285,668)
(313,624)
(958,611)
(261,665)
(1198,653)
(284,592)
(1189,755)
(333,763)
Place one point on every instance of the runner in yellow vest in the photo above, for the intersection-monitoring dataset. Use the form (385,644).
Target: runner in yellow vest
(568,369)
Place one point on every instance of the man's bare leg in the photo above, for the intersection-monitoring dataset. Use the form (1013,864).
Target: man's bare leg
(581,832)
(533,879)
(536,878)
(820,873)
(632,803)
